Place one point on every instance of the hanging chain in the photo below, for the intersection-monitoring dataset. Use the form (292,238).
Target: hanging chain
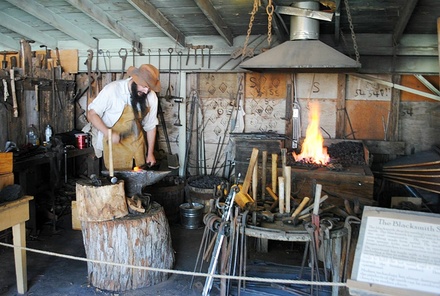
(269,11)
(353,36)
(251,22)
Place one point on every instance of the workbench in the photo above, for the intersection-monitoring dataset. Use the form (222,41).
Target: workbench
(42,174)
(14,214)
(280,232)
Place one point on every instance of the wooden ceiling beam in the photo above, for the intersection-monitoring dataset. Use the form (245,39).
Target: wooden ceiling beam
(55,20)
(92,10)
(216,20)
(159,20)
(25,30)
(402,21)
(9,42)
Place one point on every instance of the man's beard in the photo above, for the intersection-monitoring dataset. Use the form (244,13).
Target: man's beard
(138,100)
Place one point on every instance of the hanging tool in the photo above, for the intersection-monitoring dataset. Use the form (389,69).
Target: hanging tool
(5,91)
(101,52)
(89,70)
(124,58)
(202,47)
(173,160)
(209,47)
(57,52)
(36,97)
(178,101)
(189,46)
(159,58)
(45,56)
(109,59)
(14,94)
(296,116)
(195,47)
(168,92)
(97,54)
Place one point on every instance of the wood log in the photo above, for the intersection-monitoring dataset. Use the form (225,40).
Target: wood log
(100,203)
(139,240)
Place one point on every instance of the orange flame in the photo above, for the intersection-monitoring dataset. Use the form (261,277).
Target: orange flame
(312,149)
(136,169)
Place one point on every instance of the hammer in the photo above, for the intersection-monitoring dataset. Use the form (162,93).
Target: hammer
(111,171)
(293,220)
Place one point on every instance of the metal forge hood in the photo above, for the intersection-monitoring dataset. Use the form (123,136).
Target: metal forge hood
(301,56)
(304,52)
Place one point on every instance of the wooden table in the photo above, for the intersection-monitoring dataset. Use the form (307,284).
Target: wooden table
(14,214)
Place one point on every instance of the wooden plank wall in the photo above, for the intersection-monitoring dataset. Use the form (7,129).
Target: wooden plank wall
(54,108)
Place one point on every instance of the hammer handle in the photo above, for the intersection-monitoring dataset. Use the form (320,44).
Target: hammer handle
(110,153)
(301,206)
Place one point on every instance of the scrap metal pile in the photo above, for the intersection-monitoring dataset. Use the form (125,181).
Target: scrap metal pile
(239,212)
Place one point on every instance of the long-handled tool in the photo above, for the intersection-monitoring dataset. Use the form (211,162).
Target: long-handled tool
(111,171)
(222,232)
(168,92)
(124,59)
(173,160)
(14,94)
(293,220)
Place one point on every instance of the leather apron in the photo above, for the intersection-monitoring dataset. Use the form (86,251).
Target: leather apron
(131,145)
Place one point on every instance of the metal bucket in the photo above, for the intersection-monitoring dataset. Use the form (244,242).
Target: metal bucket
(191,217)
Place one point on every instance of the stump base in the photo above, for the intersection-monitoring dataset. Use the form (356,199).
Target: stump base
(140,240)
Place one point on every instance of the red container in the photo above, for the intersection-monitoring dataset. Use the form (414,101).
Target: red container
(82,141)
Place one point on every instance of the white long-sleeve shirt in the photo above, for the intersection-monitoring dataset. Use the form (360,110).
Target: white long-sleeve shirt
(110,103)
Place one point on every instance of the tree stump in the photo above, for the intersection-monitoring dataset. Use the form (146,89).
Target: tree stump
(140,240)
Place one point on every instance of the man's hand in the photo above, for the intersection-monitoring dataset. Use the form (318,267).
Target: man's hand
(151,160)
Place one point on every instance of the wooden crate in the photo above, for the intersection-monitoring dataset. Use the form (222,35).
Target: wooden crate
(6,162)
(6,179)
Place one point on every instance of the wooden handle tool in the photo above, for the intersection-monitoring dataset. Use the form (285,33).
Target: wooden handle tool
(294,218)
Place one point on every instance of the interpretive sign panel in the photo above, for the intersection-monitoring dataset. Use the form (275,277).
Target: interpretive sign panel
(398,249)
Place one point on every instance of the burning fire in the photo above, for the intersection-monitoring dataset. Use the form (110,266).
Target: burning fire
(312,149)
(136,169)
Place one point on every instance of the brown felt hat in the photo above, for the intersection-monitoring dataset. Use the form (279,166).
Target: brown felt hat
(146,75)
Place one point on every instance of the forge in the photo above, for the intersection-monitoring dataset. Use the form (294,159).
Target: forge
(345,178)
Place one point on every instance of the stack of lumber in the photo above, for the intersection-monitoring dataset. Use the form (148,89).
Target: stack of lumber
(421,170)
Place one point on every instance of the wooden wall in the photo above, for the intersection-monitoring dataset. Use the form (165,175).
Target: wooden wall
(52,103)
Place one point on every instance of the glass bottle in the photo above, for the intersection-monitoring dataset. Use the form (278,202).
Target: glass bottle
(32,136)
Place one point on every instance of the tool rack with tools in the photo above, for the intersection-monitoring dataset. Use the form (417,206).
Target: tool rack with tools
(236,217)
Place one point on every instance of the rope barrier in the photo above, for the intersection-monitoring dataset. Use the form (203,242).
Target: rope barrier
(181,272)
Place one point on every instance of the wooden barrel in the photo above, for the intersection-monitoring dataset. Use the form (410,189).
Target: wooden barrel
(140,240)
